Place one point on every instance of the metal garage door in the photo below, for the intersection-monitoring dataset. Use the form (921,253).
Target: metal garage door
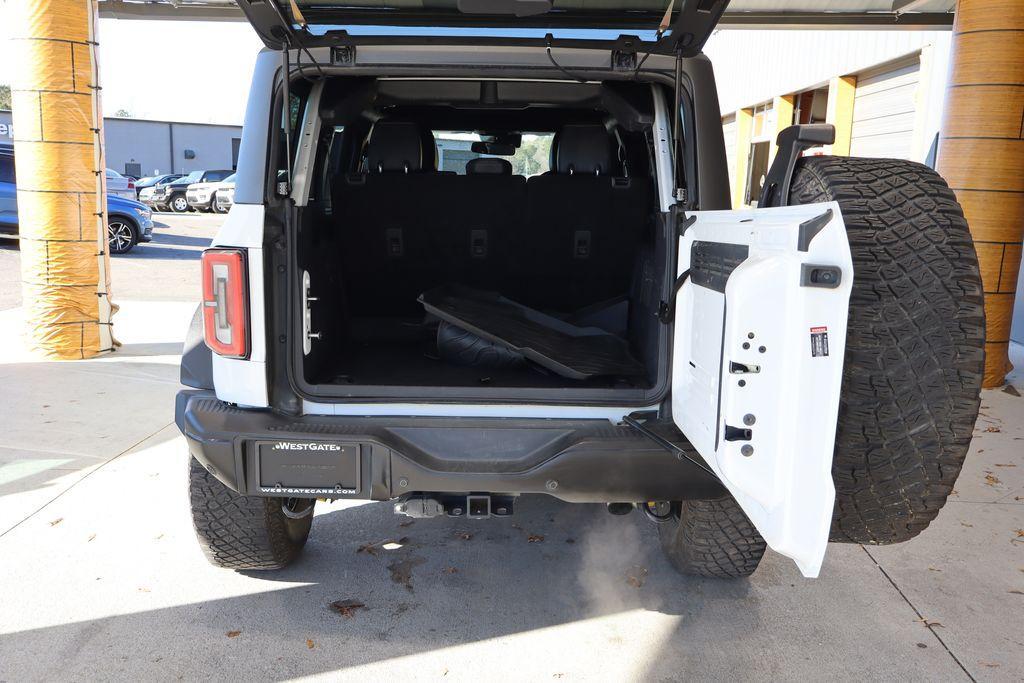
(884,110)
(729,132)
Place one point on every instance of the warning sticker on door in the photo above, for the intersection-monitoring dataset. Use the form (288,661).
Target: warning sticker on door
(819,341)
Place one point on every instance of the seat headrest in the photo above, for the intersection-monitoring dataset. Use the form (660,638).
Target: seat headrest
(488,166)
(395,147)
(584,149)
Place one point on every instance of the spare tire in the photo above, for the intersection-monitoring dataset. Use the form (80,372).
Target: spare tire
(914,344)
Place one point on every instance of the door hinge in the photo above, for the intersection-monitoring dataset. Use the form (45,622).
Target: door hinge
(683,223)
(667,309)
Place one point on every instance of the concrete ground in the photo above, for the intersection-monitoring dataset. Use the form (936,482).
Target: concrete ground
(101,578)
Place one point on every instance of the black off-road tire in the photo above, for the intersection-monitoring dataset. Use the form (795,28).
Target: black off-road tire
(245,532)
(712,538)
(914,345)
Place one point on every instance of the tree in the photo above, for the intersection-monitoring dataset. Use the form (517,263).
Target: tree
(124,114)
(532,156)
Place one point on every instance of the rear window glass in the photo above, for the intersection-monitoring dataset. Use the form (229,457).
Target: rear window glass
(454,151)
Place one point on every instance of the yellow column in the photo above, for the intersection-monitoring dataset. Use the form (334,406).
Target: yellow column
(744,123)
(58,147)
(981,154)
(783,107)
(841,91)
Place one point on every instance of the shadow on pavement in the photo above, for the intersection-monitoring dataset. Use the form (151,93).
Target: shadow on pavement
(444,584)
(181,240)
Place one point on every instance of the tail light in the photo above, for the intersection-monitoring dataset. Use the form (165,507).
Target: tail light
(225,302)
(131,184)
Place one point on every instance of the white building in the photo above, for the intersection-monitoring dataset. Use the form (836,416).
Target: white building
(141,147)
(883,90)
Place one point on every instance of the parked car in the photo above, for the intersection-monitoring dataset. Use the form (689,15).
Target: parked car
(607,330)
(225,195)
(146,195)
(128,221)
(203,196)
(119,185)
(8,191)
(151,181)
(172,196)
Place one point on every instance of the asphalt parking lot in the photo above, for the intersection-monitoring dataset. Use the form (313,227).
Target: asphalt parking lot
(102,578)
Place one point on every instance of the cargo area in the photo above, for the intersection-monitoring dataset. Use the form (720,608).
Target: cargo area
(481,235)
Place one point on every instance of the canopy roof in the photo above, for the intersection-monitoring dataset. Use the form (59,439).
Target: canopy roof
(662,26)
(739,13)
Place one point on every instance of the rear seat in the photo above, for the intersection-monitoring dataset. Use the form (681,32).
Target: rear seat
(407,228)
(584,224)
(561,241)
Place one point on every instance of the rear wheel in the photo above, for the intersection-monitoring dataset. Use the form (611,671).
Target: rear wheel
(711,538)
(914,344)
(246,532)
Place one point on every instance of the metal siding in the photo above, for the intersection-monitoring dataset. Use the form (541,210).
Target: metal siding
(144,142)
(755,66)
(211,144)
(148,143)
(884,110)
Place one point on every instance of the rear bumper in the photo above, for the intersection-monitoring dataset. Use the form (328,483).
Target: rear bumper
(584,461)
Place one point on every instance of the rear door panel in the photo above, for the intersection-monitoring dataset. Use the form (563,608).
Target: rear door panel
(757,363)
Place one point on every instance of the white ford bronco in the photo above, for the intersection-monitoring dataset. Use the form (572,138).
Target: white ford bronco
(466,265)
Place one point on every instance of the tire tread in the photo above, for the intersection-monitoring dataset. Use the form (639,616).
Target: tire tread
(915,344)
(241,532)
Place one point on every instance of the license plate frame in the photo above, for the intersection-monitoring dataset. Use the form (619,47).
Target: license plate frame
(306,467)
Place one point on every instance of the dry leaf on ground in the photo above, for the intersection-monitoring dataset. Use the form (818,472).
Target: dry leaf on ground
(233,634)
(347,608)
(636,576)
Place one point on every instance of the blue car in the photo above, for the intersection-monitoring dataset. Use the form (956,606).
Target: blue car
(128,222)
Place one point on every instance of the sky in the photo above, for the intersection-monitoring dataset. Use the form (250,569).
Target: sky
(170,70)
